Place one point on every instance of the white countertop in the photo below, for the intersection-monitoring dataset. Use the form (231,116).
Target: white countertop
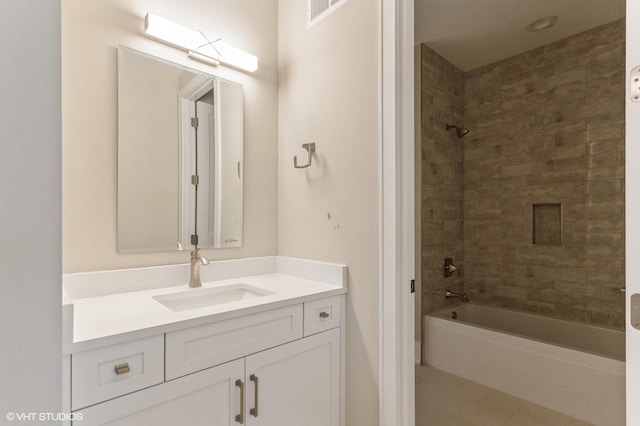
(102,318)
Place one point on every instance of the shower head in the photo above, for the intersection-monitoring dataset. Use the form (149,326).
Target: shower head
(460,131)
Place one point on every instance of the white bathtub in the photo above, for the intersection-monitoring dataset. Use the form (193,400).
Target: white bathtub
(572,368)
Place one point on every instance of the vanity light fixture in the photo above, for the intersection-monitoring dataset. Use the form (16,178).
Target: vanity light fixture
(203,58)
(197,45)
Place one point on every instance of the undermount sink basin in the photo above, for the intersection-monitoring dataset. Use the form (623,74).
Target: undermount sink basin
(203,297)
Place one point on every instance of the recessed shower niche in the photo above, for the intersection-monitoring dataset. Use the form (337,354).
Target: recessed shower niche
(547,224)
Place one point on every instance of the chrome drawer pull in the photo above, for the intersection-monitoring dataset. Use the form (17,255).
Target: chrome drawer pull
(240,417)
(122,368)
(324,315)
(254,411)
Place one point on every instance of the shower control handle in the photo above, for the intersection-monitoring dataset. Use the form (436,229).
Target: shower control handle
(449,268)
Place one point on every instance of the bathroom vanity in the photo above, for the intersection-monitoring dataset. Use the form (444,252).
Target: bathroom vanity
(260,343)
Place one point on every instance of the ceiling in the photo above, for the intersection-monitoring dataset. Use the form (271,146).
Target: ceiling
(473,33)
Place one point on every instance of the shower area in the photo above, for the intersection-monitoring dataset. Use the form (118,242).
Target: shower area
(521,189)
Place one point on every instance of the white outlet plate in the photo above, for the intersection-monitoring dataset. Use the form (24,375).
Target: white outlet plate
(635,84)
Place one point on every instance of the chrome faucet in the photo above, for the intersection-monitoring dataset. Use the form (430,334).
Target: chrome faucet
(463,296)
(196,260)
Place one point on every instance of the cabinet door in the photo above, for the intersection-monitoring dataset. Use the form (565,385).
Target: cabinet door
(297,383)
(209,397)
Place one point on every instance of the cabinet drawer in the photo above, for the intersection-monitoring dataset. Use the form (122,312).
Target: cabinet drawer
(104,373)
(207,398)
(202,347)
(321,315)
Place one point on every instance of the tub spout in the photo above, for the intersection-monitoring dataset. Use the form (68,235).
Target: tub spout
(462,296)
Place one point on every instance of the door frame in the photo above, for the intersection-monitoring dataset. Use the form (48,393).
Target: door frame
(632,211)
(396,186)
(397,387)
(187,98)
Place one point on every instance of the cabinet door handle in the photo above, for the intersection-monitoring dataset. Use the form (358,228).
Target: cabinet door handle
(254,410)
(240,417)
(122,368)
(324,315)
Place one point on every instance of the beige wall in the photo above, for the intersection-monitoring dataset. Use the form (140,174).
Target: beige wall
(148,149)
(329,95)
(91,33)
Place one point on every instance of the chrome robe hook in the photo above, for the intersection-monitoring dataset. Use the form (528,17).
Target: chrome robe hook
(311,148)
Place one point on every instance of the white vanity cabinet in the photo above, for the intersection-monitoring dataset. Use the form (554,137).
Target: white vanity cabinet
(296,384)
(280,367)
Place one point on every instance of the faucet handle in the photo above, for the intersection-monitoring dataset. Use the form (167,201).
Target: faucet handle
(449,268)
(195,255)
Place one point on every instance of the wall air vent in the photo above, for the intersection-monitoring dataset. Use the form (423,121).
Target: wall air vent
(319,9)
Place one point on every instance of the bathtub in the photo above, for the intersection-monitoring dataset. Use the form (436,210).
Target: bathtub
(572,368)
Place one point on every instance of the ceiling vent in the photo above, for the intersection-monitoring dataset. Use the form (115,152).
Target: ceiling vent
(317,10)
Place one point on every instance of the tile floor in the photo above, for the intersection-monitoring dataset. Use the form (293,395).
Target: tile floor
(443,399)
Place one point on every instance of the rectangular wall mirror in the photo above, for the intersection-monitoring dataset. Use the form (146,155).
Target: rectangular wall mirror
(180,157)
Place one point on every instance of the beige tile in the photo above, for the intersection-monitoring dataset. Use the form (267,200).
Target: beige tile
(428,414)
(444,399)
(547,126)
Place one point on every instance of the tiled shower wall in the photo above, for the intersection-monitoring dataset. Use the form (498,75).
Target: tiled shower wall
(442,193)
(547,127)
